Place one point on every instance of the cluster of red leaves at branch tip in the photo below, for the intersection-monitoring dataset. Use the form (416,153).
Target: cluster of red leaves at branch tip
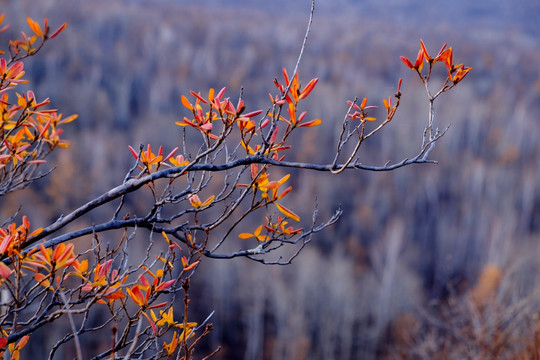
(27,42)
(12,242)
(362,111)
(220,108)
(294,94)
(269,189)
(25,125)
(456,73)
(277,229)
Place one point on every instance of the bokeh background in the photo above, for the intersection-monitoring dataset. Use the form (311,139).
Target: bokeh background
(431,261)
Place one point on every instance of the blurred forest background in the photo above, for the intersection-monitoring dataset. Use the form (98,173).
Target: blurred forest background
(427,261)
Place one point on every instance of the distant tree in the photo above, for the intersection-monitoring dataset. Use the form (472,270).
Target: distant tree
(219,199)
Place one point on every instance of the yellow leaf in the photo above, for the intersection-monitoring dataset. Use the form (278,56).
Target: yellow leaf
(69,119)
(208,201)
(285,178)
(245,235)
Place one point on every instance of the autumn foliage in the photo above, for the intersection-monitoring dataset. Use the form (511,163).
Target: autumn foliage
(45,274)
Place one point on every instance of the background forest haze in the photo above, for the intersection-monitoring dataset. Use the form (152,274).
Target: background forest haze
(425,260)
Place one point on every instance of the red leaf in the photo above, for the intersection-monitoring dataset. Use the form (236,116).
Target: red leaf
(58,31)
(308,88)
(152,323)
(286,77)
(143,280)
(171,154)
(208,126)
(165,285)
(198,96)
(407,62)
(158,305)
(253,113)
(220,94)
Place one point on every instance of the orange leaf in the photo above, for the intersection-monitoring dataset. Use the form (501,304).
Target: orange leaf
(287,212)
(212,136)
(446,57)
(191,266)
(271,185)
(165,285)
(66,257)
(419,60)
(186,102)
(45,253)
(22,342)
(308,88)
(258,231)
(81,266)
(35,27)
(424,50)
(407,62)
(69,119)
(312,123)
(285,192)
(115,295)
(42,280)
(136,295)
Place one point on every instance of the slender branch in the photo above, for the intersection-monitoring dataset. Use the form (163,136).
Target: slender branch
(304,42)
(134,184)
